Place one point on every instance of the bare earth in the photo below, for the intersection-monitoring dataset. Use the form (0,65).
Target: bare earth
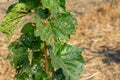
(98,35)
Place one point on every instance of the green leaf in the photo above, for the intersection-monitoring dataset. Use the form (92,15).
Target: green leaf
(39,73)
(13,17)
(55,6)
(44,30)
(63,4)
(63,26)
(60,28)
(23,75)
(69,58)
(32,3)
(58,74)
(28,28)
(43,13)
(19,55)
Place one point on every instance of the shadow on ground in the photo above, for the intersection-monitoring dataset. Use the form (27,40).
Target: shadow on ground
(110,54)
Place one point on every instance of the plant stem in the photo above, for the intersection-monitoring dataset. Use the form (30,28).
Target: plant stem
(46,58)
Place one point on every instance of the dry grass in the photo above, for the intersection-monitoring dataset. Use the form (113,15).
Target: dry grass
(98,34)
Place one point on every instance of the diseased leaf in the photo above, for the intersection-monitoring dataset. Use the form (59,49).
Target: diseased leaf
(9,23)
(20,7)
(69,58)
(55,6)
(13,17)
(60,28)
